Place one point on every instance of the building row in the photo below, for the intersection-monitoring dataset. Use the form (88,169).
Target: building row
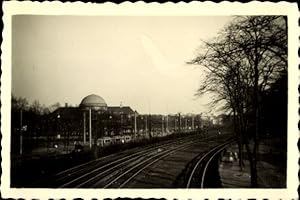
(93,120)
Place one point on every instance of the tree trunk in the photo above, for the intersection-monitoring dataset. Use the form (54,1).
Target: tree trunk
(241,163)
(252,166)
(242,135)
(239,140)
(256,74)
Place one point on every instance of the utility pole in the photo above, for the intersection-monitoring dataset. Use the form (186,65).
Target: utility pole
(135,126)
(150,126)
(84,128)
(167,123)
(193,122)
(179,122)
(162,124)
(146,124)
(57,129)
(90,127)
(97,131)
(121,113)
(21,136)
(175,120)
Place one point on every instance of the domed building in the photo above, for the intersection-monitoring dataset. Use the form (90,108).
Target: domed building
(93,119)
(95,102)
(91,102)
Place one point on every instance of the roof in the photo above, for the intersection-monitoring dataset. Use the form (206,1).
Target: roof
(69,112)
(121,110)
(75,111)
(94,101)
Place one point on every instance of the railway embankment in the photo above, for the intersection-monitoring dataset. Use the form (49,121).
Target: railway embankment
(271,167)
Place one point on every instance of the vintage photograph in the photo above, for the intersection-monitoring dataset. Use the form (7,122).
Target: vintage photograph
(149,102)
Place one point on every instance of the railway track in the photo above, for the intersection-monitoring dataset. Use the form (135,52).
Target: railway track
(125,177)
(132,172)
(198,175)
(76,175)
(119,170)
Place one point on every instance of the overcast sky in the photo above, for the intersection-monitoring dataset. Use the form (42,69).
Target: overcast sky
(139,61)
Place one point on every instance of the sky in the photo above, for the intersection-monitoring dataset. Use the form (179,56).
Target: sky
(136,61)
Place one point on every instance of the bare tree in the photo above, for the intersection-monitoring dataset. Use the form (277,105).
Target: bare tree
(36,107)
(19,103)
(244,60)
(39,109)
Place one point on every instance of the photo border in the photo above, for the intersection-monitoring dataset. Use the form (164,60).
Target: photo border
(153,9)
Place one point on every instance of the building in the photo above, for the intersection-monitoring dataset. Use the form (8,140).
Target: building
(93,102)
(93,119)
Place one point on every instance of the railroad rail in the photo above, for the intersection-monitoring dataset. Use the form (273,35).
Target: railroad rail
(120,169)
(122,179)
(203,163)
(134,171)
(76,176)
(117,173)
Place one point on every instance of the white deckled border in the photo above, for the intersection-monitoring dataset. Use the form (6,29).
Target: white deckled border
(153,9)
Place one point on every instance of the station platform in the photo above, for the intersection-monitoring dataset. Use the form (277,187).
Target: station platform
(270,175)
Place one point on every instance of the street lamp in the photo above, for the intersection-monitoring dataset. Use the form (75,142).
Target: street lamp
(58,135)
(111,125)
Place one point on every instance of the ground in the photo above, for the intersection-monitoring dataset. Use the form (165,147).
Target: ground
(271,167)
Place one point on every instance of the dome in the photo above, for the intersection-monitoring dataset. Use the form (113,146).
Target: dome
(93,101)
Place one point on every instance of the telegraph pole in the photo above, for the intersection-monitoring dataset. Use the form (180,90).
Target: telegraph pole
(84,128)
(167,123)
(162,124)
(150,126)
(135,128)
(21,136)
(146,124)
(193,122)
(121,113)
(90,126)
(179,122)
(175,120)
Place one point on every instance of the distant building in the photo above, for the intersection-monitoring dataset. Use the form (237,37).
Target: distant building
(93,118)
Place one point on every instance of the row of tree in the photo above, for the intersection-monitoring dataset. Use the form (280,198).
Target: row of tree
(245,66)
(21,103)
